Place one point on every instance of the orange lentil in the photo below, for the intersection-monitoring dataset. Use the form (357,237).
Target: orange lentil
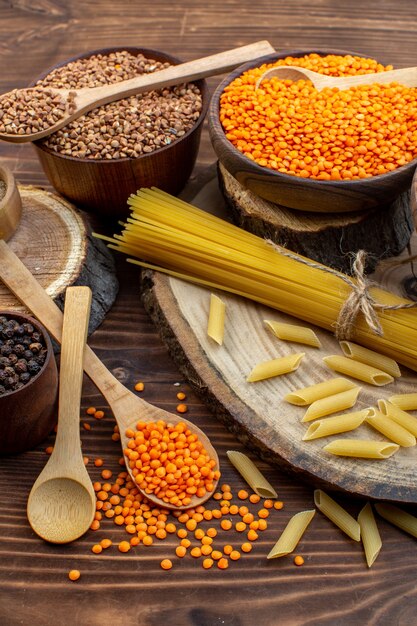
(298,560)
(216,555)
(91,410)
(98,462)
(196,552)
(199,533)
(97,548)
(95,525)
(74,574)
(211,532)
(106,543)
(49,450)
(226,524)
(134,541)
(147,540)
(116,437)
(262,524)
(181,533)
(166,564)
(106,474)
(224,510)
(233,509)
(206,540)
(124,546)
(206,550)
(207,563)
(216,513)
(252,535)
(140,386)
(263,513)
(181,395)
(99,415)
(86,460)
(86,426)
(223,563)
(234,555)
(328,135)
(180,551)
(182,408)
(227,549)
(246,547)
(242,494)
(208,515)
(254,498)
(248,518)
(217,495)
(240,527)
(278,505)
(191,524)
(268,504)
(186,543)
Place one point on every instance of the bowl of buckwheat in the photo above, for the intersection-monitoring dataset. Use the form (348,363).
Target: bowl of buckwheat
(150,139)
(28,383)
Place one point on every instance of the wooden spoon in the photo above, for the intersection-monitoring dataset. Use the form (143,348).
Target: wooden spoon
(126,406)
(83,100)
(406,76)
(62,501)
(10,205)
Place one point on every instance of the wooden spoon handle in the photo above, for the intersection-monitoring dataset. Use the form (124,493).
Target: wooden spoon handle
(74,336)
(173,75)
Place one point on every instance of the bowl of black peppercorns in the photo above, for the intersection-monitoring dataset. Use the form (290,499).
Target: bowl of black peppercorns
(28,383)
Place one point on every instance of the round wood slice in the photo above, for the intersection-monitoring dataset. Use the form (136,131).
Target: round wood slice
(54,241)
(256,412)
(324,237)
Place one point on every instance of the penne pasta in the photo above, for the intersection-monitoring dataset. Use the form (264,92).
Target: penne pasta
(248,470)
(398,517)
(331,404)
(335,425)
(358,370)
(291,332)
(215,325)
(405,401)
(370,357)
(337,514)
(404,419)
(307,395)
(390,429)
(291,534)
(275,367)
(371,539)
(360,448)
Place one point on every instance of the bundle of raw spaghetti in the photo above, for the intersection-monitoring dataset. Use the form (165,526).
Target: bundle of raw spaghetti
(174,237)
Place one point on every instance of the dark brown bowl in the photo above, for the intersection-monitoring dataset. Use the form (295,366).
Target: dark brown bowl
(103,186)
(295,192)
(28,414)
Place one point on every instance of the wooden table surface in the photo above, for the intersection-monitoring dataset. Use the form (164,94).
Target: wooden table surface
(334,586)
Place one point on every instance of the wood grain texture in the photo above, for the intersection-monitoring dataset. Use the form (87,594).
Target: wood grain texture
(334,587)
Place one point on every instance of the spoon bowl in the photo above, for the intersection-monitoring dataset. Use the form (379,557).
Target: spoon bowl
(62,502)
(127,408)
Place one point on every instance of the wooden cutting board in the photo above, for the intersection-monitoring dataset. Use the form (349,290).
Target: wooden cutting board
(256,412)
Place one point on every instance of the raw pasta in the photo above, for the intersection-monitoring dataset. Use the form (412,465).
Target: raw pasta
(275,367)
(360,448)
(248,470)
(217,312)
(307,395)
(331,404)
(405,401)
(404,419)
(291,534)
(390,429)
(335,425)
(337,514)
(358,370)
(291,332)
(370,357)
(371,538)
(398,517)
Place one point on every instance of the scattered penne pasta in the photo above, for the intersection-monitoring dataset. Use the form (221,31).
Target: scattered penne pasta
(398,517)
(337,514)
(291,332)
(307,395)
(370,357)
(217,312)
(335,425)
(361,371)
(275,367)
(404,419)
(248,470)
(371,539)
(291,534)
(405,401)
(332,404)
(360,448)
(390,429)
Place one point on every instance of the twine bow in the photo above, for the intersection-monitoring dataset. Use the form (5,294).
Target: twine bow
(359,299)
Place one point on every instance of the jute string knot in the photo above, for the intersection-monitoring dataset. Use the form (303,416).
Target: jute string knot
(359,299)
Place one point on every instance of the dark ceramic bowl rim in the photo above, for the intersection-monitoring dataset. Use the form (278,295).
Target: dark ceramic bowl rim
(201,84)
(214,109)
(48,344)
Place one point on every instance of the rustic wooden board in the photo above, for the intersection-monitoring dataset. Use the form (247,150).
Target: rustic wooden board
(54,241)
(256,412)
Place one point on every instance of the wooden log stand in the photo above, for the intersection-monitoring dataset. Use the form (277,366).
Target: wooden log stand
(54,241)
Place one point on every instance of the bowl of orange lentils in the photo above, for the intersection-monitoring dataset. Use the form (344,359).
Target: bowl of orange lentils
(322,151)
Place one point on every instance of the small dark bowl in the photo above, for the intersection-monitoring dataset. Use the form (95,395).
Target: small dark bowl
(293,191)
(103,186)
(28,414)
